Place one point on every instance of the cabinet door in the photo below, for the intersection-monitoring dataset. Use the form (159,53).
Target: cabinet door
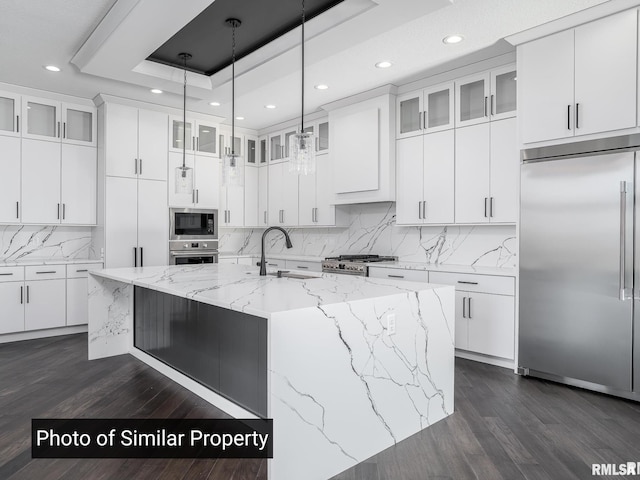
(307,197)
(605,74)
(40,182)
(78,125)
(263,151)
(252,151)
(178,134)
(153,223)
(207,182)
(325,210)
(289,196)
(234,206)
(251,193)
(42,119)
(289,138)
(409,180)
(12,300)
(180,199)
(545,69)
(77,301)
(503,93)
(263,196)
(462,323)
(121,145)
(45,304)
(410,116)
(491,324)
(275,193)
(79,184)
(323,137)
(472,174)
(10,114)
(121,222)
(206,139)
(9,180)
(276,146)
(439,177)
(439,109)
(472,100)
(505,170)
(225,143)
(152,138)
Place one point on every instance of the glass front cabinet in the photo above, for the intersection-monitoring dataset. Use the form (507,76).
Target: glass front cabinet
(486,96)
(46,119)
(201,137)
(425,111)
(9,114)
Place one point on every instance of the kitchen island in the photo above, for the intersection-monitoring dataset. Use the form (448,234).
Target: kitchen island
(352,364)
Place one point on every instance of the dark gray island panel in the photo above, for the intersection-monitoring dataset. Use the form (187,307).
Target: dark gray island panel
(224,350)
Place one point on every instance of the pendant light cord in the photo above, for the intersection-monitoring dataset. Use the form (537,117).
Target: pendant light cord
(184,117)
(233,88)
(302,90)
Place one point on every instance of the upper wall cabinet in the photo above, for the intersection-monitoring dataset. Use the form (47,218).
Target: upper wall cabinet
(425,111)
(580,81)
(486,96)
(199,136)
(9,114)
(55,121)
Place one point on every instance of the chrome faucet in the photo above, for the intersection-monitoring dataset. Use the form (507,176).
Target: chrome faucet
(263,263)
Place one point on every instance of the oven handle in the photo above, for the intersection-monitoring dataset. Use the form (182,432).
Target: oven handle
(198,253)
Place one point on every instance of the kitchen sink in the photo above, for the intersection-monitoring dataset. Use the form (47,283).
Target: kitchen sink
(288,274)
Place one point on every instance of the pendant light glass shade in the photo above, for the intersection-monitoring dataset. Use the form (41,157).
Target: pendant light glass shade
(302,154)
(184,174)
(233,170)
(302,150)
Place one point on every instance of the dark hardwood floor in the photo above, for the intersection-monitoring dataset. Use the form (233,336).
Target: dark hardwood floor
(504,427)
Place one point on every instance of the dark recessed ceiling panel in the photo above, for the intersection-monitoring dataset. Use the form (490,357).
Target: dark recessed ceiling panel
(208,38)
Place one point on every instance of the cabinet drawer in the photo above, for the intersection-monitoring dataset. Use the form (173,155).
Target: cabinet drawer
(299,265)
(45,272)
(273,263)
(11,274)
(399,274)
(81,270)
(471,282)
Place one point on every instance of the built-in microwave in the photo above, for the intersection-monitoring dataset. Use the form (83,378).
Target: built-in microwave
(193,224)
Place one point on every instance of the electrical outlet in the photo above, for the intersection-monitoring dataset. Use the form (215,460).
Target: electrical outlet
(391,324)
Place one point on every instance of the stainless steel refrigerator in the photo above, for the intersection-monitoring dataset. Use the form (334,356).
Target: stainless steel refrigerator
(579,319)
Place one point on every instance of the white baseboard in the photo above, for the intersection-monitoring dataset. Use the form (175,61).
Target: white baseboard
(49,332)
(478,357)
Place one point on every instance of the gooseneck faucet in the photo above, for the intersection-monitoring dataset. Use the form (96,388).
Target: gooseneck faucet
(263,263)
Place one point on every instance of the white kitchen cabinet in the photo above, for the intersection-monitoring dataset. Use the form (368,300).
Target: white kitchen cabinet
(399,274)
(486,96)
(224,139)
(283,195)
(201,136)
(425,175)
(79,184)
(263,150)
(303,265)
(41,182)
(12,301)
(251,196)
(58,122)
(180,134)
(251,150)
(322,136)
(276,147)
(206,181)
(135,145)
(153,223)
(231,210)
(580,81)
(486,174)
(45,304)
(425,111)
(315,199)
(263,196)
(485,312)
(206,138)
(9,185)
(275,263)
(10,105)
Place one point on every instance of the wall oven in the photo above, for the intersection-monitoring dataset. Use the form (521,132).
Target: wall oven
(192,253)
(193,224)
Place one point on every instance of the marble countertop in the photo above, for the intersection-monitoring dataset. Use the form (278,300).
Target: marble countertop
(46,261)
(432,267)
(276,256)
(240,288)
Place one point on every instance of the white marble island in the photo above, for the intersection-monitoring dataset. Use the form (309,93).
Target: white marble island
(341,385)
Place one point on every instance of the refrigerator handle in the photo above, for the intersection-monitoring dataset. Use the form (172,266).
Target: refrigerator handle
(623,230)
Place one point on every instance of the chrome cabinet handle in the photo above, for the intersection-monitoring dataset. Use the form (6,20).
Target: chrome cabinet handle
(265,217)
(17,209)
(141,257)
(485,206)
(469,307)
(394,276)
(491,207)
(197,196)
(420,117)
(577,115)
(467,283)
(21,295)
(568,117)
(135,257)
(420,210)
(424,119)
(424,209)
(491,104)
(58,211)
(623,243)
(64,129)
(5,274)
(135,166)
(17,123)
(49,272)
(140,160)
(229,215)
(485,107)
(82,270)
(302,267)
(64,211)
(58,130)
(27,293)
(464,307)
(193,196)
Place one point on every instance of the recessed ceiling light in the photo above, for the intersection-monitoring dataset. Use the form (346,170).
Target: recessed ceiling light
(321,87)
(450,39)
(52,68)
(214,104)
(384,64)
(270,107)
(156,90)
(239,118)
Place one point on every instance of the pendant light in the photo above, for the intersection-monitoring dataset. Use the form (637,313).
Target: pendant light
(184,174)
(302,151)
(232,166)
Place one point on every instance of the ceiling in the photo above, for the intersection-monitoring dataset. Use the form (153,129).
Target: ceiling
(207,38)
(102,45)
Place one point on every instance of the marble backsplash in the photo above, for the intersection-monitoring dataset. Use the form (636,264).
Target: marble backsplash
(32,242)
(372,229)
